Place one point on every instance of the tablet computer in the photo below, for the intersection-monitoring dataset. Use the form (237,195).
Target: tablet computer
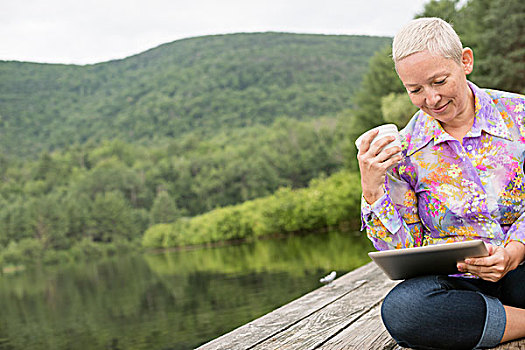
(439,259)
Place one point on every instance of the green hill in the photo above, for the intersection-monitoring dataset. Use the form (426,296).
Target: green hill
(92,156)
(200,85)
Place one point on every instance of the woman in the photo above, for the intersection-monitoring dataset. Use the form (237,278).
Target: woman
(459,177)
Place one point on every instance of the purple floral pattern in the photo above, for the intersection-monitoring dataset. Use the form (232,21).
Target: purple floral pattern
(446,191)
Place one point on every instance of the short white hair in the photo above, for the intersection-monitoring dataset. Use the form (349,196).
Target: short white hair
(432,34)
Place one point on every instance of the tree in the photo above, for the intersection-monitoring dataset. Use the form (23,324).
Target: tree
(77,211)
(113,175)
(502,65)
(164,209)
(445,9)
(48,222)
(380,80)
(397,108)
(112,218)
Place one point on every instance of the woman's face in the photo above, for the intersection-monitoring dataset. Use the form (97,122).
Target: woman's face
(438,85)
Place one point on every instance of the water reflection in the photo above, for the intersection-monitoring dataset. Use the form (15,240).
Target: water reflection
(175,300)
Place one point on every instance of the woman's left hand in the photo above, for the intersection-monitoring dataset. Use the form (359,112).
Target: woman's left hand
(497,264)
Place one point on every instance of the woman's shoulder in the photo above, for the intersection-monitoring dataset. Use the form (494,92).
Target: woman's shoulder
(509,101)
(511,107)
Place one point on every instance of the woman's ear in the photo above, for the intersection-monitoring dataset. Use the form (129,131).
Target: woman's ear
(467,60)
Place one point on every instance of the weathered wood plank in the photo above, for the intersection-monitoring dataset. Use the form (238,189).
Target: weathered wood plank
(368,332)
(515,345)
(313,331)
(344,315)
(257,331)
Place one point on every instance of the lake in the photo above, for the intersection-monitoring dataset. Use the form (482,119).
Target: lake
(170,300)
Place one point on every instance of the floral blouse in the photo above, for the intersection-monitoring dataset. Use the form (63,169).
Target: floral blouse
(445,191)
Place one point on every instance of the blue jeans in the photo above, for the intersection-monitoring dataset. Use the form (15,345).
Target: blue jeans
(442,312)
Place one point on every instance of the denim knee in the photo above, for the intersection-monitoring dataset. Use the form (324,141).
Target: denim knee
(399,309)
(429,313)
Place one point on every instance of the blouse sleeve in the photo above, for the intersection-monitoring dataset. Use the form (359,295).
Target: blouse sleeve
(516,108)
(517,231)
(392,222)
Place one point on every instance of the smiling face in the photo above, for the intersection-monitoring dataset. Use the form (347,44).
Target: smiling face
(438,86)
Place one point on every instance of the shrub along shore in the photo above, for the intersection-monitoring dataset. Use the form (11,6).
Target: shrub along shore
(327,203)
(333,202)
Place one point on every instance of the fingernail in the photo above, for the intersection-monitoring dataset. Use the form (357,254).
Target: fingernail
(468,261)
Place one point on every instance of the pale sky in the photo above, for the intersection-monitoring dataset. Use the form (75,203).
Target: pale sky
(91,31)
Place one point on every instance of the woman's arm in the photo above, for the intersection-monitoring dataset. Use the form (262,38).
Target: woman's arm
(392,222)
(389,205)
(374,161)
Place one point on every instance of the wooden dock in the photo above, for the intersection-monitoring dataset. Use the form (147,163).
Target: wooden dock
(339,316)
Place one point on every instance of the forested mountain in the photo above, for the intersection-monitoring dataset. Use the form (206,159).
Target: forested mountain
(92,156)
(199,86)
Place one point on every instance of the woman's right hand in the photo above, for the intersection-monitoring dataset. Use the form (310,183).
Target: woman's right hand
(374,161)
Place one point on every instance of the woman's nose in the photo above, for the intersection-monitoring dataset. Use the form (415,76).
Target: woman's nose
(432,97)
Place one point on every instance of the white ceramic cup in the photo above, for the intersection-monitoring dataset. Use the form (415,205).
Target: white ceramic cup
(384,131)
